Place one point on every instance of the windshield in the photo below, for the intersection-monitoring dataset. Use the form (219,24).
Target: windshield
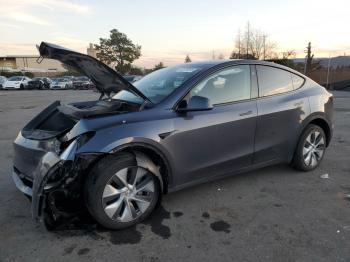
(60,80)
(161,83)
(15,78)
(81,78)
(36,79)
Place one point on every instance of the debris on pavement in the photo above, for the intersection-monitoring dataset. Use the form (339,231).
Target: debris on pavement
(325,176)
(346,228)
(347,196)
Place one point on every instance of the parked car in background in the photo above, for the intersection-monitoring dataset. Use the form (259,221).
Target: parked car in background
(174,128)
(132,78)
(39,83)
(61,83)
(82,82)
(16,82)
(68,77)
(2,81)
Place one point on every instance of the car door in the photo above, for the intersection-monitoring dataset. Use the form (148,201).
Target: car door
(210,143)
(281,109)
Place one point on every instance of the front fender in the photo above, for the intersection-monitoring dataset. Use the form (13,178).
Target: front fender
(105,140)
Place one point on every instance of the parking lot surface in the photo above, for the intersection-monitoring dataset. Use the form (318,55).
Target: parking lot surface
(274,214)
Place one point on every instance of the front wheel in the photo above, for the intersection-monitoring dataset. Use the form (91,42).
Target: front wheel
(311,148)
(119,193)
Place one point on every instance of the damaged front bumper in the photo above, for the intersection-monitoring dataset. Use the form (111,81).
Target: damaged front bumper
(55,179)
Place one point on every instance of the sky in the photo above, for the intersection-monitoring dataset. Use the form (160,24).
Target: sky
(169,30)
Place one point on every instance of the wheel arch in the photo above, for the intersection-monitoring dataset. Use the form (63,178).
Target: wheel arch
(320,120)
(149,157)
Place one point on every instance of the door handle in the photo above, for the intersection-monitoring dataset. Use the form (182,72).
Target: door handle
(246,113)
(297,104)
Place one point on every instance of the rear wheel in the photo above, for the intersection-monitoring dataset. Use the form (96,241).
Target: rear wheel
(119,193)
(21,86)
(311,148)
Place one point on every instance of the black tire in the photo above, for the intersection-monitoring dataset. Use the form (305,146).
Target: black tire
(298,161)
(21,86)
(96,182)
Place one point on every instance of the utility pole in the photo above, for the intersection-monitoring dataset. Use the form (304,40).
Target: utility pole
(239,44)
(248,35)
(213,55)
(329,65)
(264,46)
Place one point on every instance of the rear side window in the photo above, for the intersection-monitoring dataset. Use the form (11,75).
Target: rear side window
(298,81)
(273,81)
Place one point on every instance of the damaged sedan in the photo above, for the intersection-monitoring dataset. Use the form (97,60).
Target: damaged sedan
(176,127)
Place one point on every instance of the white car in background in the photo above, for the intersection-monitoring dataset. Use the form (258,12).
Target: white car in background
(16,82)
(2,81)
(61,83)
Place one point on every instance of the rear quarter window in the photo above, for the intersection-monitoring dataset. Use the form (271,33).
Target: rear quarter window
(298,81)
(273,81)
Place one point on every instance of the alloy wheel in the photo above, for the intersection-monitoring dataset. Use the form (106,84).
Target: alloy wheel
(313,148)
(128,194)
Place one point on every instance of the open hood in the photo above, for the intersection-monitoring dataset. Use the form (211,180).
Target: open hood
(106,79)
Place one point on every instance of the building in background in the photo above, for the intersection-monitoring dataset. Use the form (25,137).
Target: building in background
(35,65)
(91,51)
(29,63)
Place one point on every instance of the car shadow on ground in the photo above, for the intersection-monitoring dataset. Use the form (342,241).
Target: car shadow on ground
(84,224)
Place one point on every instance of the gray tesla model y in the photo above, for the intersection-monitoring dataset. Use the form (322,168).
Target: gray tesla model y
(175,127)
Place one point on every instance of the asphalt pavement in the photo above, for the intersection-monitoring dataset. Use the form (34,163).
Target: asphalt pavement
(274,214)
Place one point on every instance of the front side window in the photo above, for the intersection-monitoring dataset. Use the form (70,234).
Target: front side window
(273,81)
(229,85)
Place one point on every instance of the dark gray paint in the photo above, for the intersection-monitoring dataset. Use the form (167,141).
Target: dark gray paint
(201,145)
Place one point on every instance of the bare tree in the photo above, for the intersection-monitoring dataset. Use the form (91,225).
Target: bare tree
(289,54)
(238,43)
(221,56)
(253,44)
(256,43)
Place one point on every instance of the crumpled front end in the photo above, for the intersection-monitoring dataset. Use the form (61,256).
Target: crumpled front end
(55,184)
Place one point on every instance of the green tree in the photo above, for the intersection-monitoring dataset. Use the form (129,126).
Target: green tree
(136,71)
(118,51)
(158,66)
(188,59)
(309,57)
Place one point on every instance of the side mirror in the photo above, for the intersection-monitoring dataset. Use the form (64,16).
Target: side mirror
(196,103)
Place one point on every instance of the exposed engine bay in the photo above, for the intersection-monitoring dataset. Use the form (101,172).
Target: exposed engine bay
(59,118)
